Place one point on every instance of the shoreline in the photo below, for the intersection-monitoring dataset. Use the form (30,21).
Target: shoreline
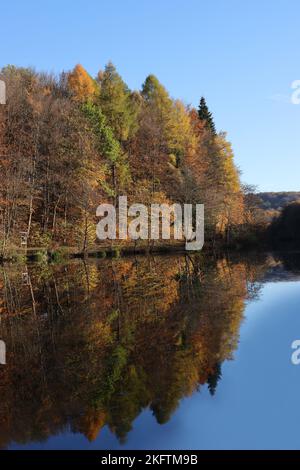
(64,253)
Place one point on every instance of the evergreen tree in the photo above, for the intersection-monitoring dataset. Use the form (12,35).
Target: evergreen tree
(205,115)
(213,379)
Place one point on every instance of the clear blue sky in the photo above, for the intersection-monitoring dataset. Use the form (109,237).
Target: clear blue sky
(242,56)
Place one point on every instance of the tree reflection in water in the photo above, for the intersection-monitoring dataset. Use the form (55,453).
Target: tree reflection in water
(94,343)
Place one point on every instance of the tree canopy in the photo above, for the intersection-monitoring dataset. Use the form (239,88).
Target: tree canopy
(69,143)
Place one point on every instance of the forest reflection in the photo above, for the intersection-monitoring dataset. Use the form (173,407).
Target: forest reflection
(93,343)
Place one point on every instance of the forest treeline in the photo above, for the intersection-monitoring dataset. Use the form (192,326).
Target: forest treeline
(273,203)
(284,231)
(276,201)
(71,142)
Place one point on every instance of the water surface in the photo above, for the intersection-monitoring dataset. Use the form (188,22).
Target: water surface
(170,352)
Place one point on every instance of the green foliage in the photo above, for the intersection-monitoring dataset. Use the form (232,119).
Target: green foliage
(109,147)
(115,366)
(59,255)
(155,94)
(18,257)
(116,252)
(117,103)
(107,143)
(40,256)
(213,379)
(206,116)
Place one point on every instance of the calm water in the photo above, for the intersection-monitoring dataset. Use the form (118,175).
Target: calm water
(153,353)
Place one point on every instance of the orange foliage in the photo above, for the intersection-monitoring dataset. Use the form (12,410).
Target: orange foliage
(81,84)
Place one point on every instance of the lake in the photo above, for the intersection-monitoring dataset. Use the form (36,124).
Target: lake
(164,352)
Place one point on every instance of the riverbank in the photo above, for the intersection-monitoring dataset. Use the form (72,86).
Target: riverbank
(127,248)
(46,254)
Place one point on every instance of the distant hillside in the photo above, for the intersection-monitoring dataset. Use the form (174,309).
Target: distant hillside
(277,201)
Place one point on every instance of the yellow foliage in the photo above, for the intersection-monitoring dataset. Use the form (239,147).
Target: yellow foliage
(180,134)
(81,84)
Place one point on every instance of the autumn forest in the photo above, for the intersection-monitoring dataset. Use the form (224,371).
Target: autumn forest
(71,142)
(92,345)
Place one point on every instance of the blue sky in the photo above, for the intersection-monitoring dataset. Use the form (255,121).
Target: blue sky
(242,56)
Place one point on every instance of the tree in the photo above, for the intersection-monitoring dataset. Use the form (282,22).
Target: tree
(20,130)
(231,210)
(81,84)
(206,116)
(286,228)
(180,136)
(69,141)
(117,103)
(109,147)
(214,378)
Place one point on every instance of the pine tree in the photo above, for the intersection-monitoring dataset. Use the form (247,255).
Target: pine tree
(213,379)
(205,115)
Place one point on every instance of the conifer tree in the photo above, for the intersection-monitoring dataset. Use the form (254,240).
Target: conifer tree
(205,115)
(214,379)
